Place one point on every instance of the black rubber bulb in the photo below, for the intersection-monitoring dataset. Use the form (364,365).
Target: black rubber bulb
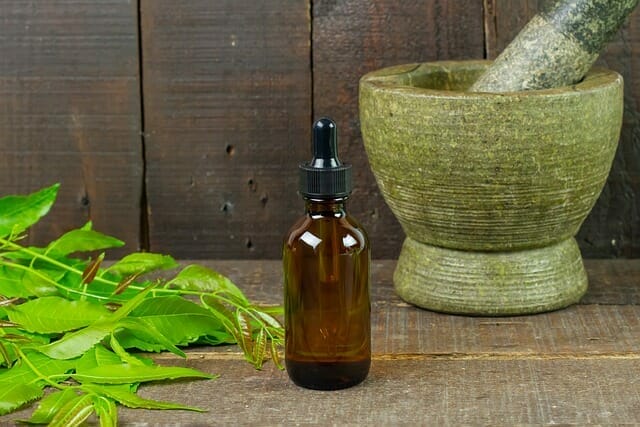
(325,144)
(325,176)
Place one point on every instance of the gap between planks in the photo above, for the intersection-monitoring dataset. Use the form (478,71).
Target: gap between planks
(203,355)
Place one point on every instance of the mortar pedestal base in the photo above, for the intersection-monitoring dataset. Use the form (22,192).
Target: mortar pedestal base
(490,283)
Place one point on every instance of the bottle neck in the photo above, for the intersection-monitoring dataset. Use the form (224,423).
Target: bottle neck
(326,207)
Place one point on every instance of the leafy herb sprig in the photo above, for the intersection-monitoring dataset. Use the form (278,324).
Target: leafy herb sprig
(69,324)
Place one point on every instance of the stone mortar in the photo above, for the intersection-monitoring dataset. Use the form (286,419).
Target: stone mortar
(490,188)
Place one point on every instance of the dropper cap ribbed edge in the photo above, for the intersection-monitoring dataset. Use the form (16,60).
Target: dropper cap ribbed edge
(325,176)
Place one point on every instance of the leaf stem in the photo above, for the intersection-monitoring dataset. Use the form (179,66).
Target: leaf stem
(31,366)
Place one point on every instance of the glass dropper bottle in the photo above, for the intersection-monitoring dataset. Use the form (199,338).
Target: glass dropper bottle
(326,259)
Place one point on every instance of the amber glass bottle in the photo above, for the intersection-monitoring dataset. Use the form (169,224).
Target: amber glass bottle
(326,277)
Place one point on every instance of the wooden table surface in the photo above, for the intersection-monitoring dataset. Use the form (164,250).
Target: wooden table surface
(575,366)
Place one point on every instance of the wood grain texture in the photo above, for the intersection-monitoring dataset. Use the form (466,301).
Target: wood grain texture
(574,366)
(613,227)
(611,282)
(607,321)
(412,392)
(70,112)
(353,37)
(227,116)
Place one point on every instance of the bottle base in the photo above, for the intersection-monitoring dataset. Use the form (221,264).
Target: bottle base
(327,375)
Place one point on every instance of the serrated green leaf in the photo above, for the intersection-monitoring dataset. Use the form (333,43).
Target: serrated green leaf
(131,400)
(106,410)
(122,353)
(268,319)
(20,336)
(14,395)
(141,263)
(125,373)
(176,318)
(73,344)
(19,283)
(17,213)
(20,384)
(199,278)
(97,356)
(42,315)
(74,412)
(11,283)
(22,373)
(259,349)
(81,240)
(129,338)
(148,332)
(49,406)
(37,285)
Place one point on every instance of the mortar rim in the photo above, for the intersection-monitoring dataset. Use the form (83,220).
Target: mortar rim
(598,79)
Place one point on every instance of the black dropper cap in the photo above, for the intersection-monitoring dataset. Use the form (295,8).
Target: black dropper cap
(325,177)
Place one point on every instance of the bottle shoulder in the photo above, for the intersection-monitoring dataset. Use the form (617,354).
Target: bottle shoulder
(325,232)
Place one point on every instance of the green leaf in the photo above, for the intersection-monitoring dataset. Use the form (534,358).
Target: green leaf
(37,283)
(131,400)
(106,410)
(74,412)
(73,344)
(50,405)
(125,373)
(22,373)
(19,283)
(148,332)
(11,283)
(17,213)
(14,395)
(141,263)
(20,384)
(43,315)
(176,318)
(97,356)
(82,241)
(122,353)
(260,349)
(199,278)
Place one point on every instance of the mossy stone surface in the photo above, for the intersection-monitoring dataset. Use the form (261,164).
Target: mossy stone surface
(557,47)
(491,284)
(485,182)
(488,172)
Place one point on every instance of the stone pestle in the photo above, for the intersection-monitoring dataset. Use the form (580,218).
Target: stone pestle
(557,47)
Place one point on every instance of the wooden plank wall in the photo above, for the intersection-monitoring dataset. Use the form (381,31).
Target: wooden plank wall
(70,111)
(177,125)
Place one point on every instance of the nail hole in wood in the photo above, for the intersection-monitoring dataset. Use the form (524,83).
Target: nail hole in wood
(231,150)
(253,185)
(226,207)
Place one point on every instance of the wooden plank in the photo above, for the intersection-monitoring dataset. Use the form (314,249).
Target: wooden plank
(607,326)
(573,366)
(503,21)
(353,37)
(435,391)
(611,282)
(613,227)
(70,112)
(431,391)
(227,117)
